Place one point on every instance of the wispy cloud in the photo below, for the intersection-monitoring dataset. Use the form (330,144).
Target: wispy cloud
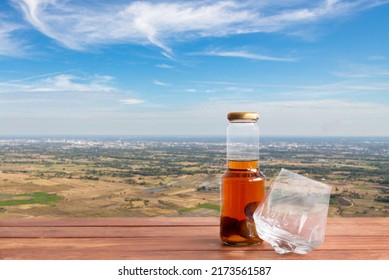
(239,89)
(191,90)
(81,25)
(288,90)
(164,66)
(59,82)
(70,94)
(10,45)
(248,55)
(376,57)
(298,105)
(159,83)
(363,71)
(132,101)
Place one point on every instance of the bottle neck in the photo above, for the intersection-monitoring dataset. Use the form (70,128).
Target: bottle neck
(243,164)
(243,143)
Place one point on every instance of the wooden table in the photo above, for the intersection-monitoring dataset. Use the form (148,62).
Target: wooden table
(173,238)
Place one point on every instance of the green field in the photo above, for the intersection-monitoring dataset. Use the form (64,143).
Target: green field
(200,206)
(28,198)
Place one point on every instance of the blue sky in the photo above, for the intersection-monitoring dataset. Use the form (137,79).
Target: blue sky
(310,68)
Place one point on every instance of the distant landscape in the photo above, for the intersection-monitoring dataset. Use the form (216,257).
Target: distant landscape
(176,176)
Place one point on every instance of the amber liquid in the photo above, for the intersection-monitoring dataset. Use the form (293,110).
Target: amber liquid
(243,188)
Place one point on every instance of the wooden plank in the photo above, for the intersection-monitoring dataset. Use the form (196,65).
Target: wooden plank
(203,255)
(335,226)
(128,249)
(151,227)
(357,226)
(108,232)
(112,222)
(148,231)
(200,243)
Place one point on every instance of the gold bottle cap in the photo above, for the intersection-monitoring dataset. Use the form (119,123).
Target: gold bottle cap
(247,116)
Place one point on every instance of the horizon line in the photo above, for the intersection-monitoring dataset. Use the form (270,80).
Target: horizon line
(185,136)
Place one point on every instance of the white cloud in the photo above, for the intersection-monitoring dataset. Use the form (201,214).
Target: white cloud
(248,55)
(62,96)
(325,117)
(376,57)
(59,82)
(133,101)
(191,90)
(65,87)
(9,44)
(159,83)
(81,25)
(239,89)
(291,90)
(363,71)
(164,66)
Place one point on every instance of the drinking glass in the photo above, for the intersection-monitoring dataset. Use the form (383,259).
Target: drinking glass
(293,215)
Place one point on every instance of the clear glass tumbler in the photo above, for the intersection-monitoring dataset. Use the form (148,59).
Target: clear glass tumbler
(293,215)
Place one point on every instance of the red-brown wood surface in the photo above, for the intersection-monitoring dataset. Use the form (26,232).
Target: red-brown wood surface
(173,238)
